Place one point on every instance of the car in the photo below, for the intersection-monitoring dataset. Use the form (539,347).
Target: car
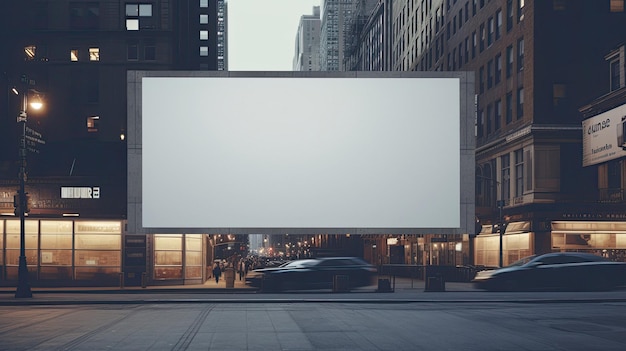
(313,273)
(564,271)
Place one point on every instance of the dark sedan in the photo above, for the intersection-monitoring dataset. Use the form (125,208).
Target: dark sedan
(555,271)
(315,273)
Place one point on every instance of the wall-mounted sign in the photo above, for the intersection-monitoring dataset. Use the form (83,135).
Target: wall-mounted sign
(83,192)
(604,136)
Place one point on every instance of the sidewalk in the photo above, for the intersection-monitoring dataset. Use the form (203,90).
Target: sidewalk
(405,290)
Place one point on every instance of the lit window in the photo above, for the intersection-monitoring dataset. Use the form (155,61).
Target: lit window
(204,3)
(204,35)
(92,123)
(132,10)
(132,24)
(74,55)
(204,19)
(30,51)
(94,54)
(204,51)
(617,5)
(145,10)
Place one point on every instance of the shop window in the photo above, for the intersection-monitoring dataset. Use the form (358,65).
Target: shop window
(168,256)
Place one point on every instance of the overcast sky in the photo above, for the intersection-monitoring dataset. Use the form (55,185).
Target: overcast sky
(262,33)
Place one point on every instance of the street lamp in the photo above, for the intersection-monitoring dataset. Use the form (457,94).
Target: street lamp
(23,287)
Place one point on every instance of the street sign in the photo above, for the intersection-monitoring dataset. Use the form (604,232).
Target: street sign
(33,140)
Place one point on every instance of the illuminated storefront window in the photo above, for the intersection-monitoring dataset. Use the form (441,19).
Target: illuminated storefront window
(168,256)
(13,246)
(97,250)
(193,256)
(56,250)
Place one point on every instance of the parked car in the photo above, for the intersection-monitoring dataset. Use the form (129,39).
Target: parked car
(314,273)
(555,271)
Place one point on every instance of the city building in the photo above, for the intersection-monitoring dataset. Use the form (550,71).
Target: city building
(335,25)
(366,43)
(535,62)
(75,56)
(307,47)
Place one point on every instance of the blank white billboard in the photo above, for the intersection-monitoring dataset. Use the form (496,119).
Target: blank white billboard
(297,152)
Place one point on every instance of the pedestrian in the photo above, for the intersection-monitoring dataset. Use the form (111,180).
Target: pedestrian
(242,267)
(217,272)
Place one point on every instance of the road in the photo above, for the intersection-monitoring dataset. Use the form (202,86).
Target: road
(300,326)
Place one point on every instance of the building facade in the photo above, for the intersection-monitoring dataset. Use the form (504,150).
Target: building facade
(307,45)
(75,56)
(335,25)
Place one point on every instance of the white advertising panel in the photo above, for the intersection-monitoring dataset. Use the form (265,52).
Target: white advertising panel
(603,136)
(298,152)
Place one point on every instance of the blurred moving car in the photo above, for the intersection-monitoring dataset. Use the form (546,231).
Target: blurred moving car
(555,271)
(314,273)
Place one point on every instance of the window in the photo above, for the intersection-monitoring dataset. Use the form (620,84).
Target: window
(498,68)
(474,7)
(204,19)
(509,107)
(84,15)
(617,5)
(520,54)
(149,52)
(132,24)
(204,51)
(138,16)
(204,35)
(558,94)
(92,124)
(509,15)
(509,61)
(498,114)
(489,117)
(482,37)
(519,172)
(94,54)
(615,74)
(30,52)
(520,103)
(467,49)
(489,74)
(474,43)
(520,10)
(498,24)
(132,52)
(506,177)
(491,31)
(74,55)
(204,3)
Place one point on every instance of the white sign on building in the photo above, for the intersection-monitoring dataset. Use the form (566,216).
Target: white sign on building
(604,136)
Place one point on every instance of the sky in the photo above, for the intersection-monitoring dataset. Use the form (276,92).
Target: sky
(262,33)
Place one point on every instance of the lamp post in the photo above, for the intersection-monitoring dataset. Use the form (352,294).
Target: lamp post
(23,287)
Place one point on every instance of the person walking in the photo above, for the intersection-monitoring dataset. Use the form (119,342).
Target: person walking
(217,272)
(242,268)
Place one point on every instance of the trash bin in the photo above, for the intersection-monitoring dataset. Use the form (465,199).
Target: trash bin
(384,285)
(435,283)
(341,283)
(229,277)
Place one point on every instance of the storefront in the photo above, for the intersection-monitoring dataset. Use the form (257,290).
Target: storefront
(607,239)
(62,252)
(517,242)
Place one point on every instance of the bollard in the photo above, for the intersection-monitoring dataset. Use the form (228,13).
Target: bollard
(144,279)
